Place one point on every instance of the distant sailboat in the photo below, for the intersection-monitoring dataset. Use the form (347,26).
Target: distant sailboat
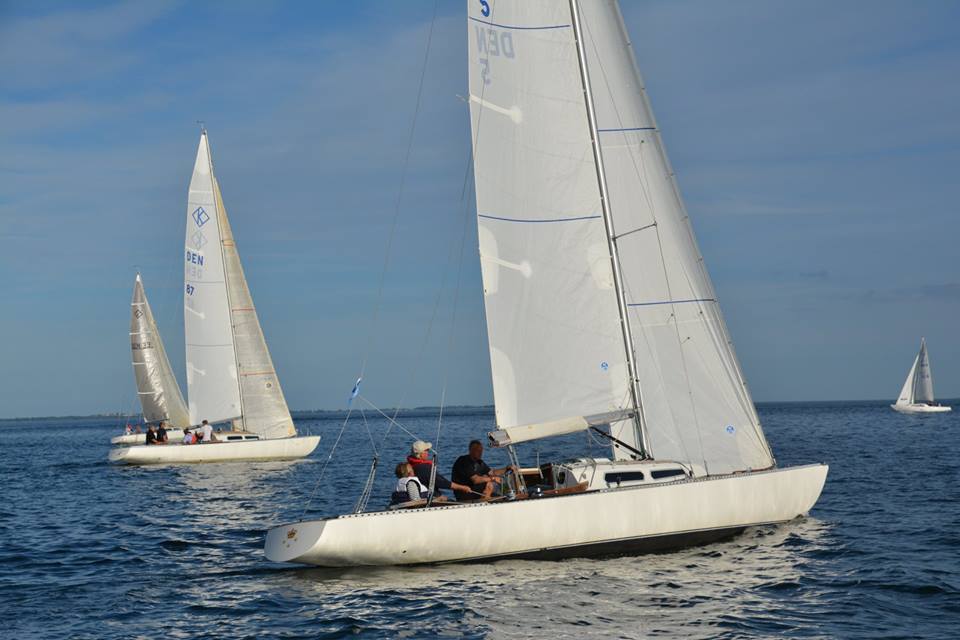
(230,375)
(599,312)
(916,396)
(157,388)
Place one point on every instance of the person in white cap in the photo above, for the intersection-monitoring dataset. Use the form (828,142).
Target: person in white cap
(419,459)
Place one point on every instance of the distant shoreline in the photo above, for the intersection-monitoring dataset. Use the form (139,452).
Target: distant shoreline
(298,414)
(453,410)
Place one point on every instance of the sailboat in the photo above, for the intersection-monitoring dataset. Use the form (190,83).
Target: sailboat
(916,396)
(157,388)
(599,312)
(230,375)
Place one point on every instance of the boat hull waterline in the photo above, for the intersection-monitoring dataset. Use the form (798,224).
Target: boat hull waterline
(276,449)
(606,522)
(920,408)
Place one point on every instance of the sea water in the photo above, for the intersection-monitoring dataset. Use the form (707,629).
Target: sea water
(93,550)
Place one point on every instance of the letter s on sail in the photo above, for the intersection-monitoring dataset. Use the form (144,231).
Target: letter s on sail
(485,8)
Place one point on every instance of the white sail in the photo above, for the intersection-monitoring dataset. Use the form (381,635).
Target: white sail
(923,387)
(213,387)
(264,410)
(695,403)
(556,345)
(907,392)
(551,303)
(157,388)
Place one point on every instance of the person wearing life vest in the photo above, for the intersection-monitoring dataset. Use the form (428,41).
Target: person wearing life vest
(408,487)
(419,459)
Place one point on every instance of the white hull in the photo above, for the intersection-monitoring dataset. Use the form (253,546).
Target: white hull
(920,408)
(278,449)
(141,438)
(605,522)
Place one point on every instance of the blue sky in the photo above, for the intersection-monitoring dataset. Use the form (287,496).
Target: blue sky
(816,145)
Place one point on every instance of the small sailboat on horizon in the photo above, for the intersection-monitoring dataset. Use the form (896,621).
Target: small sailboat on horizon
(916,396)
(600,313)
(230,374)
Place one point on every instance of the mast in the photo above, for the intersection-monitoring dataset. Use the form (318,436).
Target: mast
(608,226)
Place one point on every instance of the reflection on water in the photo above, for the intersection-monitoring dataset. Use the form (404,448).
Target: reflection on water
(99,551)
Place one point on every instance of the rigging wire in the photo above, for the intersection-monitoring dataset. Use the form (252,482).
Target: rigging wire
(403,179)
(386,257)
(456,300)
(474,149)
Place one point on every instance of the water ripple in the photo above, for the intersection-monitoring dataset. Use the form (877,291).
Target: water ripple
(95,551)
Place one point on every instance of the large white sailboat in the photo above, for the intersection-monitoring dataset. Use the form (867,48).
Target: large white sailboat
(230,375)
(157,388)
(599,312)
(916,396)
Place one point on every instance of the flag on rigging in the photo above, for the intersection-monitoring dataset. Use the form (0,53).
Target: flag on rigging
(355,392)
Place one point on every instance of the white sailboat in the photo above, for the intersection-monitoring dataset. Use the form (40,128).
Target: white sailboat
(599,311)
(916,396)
(230,375)
(157,388)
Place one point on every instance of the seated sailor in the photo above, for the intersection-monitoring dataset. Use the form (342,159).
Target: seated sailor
(408,486)
(419,459)
(470,469)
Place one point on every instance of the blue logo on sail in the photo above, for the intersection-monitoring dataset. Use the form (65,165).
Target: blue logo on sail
(200,216)
(199,240)
(731,429)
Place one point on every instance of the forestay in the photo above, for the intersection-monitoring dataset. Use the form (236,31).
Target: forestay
(157,388)
(696,406)
(213,387)
(556,346)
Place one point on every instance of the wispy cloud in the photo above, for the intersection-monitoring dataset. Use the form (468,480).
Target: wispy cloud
(816,147)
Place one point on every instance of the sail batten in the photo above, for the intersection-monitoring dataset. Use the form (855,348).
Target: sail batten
(157,388)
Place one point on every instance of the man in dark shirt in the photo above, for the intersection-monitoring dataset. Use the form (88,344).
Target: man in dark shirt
(151,435)
(161,434)
(471,470)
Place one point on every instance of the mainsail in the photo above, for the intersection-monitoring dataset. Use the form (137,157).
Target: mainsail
(556,345)
(230,375)
(923,388)
(157,387)
(918,387)
(556,341)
